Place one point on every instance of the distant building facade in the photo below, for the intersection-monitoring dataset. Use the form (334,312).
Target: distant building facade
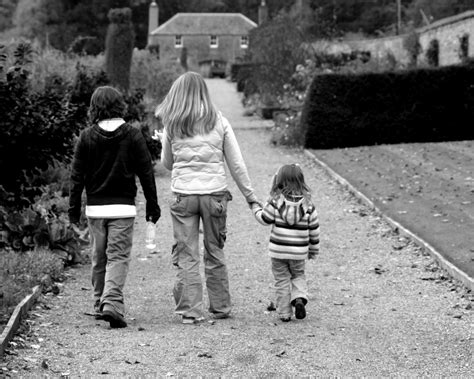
(203,42)
(451,37)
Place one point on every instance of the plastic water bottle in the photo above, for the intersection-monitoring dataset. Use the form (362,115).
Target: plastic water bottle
(150,235)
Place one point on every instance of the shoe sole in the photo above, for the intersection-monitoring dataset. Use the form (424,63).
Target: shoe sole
(300,310)
(192,320)
(115,323)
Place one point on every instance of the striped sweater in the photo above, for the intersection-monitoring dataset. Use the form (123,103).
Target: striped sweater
(295,227)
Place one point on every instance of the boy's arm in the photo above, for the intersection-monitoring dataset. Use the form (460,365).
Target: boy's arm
(144,170)
(313,225)
(77,179)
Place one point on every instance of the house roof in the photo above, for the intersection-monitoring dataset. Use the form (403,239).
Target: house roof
(206,23)
(448,20)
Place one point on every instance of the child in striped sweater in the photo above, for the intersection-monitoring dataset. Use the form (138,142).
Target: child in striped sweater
(294,238)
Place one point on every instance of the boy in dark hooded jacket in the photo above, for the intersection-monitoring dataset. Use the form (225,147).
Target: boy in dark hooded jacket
(107,158)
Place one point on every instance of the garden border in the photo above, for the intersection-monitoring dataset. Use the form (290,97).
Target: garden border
(14,322)
(451,269)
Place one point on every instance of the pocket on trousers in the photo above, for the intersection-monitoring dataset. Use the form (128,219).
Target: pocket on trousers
(218,204)
(178,205)
(174,255)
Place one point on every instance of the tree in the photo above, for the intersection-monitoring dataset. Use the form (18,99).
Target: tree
(39,19)
(436,9)
(7,9)
(119,48)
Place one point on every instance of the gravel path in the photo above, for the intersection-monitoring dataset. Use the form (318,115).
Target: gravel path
(378,305)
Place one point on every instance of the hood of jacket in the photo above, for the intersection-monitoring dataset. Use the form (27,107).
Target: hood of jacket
(292,209)
(110,137)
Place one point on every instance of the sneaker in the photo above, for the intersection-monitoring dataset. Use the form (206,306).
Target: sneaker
(97,312)
(300,310)
(110,315)
(220,316)
(191,320)
(285,319)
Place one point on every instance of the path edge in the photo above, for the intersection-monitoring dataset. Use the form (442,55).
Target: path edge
(451,269)
(14,322)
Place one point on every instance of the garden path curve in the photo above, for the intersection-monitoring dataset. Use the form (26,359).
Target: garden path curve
(378,305)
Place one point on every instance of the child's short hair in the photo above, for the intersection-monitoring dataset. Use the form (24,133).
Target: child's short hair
(106,102)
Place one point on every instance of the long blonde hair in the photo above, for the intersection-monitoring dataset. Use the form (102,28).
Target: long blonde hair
(187,109)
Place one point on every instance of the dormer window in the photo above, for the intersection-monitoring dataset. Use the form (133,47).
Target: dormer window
(178,41)
(244,42)
(214,42)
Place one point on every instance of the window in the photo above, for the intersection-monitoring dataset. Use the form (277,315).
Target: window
(464,47)
(178,41)
(214,42)
(244,42)
(432,54)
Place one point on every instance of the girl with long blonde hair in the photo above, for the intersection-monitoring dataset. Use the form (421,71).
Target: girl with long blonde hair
(196,143)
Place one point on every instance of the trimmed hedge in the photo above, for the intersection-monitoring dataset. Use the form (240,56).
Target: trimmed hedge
(428,105)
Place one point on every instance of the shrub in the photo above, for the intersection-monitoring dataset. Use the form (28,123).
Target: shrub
(148,73)
(287,130)
(411,106)
(275,50)
(37,130)
(44,224)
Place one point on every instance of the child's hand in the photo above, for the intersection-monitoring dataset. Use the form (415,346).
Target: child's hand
(157,136)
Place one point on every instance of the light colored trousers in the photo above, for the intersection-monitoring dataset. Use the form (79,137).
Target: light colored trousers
(111,246)
(290,283)
(186,212)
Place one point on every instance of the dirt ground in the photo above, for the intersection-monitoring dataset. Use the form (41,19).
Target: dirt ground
(378,305)
(427,187)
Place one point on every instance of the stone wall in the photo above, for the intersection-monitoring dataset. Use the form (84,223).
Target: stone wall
(447,32)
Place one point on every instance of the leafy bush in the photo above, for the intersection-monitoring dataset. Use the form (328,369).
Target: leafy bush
(275,49)
(41,225)
(148,73)
(287,130)
(38,127)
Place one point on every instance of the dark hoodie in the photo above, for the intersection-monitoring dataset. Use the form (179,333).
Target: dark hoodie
(105,164)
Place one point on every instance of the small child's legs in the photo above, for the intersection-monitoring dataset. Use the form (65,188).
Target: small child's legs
(290,284)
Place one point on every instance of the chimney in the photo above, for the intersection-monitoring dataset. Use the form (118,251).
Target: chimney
(262,13)
(153,17)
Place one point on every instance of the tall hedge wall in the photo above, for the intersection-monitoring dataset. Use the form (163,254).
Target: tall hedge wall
(426,105)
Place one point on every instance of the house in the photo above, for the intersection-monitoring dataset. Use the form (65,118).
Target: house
(203,42)
(447,41)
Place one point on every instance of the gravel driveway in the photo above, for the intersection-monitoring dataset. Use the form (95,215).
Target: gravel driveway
(378,306)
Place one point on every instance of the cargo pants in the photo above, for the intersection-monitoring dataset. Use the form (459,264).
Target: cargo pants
(186,212)
(111,248)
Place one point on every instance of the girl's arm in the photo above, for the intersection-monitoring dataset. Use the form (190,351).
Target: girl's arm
(236,163)
(313,225)
(166,154)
